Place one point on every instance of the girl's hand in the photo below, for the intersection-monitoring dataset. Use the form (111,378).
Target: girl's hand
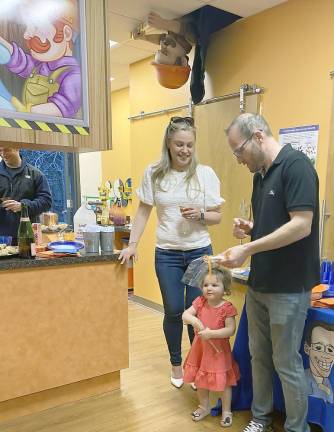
(127,253)
(205,334)
(198,325)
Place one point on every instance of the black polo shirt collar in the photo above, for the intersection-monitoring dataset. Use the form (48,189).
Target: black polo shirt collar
(279,158)
(282,154)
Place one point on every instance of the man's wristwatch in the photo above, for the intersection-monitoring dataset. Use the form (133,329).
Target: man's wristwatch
(202,215)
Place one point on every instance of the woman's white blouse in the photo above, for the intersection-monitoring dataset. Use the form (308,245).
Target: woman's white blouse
(174,231)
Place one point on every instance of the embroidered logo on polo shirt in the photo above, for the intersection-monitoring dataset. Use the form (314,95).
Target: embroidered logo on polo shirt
(271,192)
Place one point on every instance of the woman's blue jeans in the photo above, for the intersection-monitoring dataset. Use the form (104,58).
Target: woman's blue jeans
(170,266)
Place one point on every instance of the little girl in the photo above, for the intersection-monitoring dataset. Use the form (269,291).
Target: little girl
(209,363)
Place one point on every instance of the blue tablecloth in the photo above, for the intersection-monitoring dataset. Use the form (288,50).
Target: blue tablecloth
(320,411)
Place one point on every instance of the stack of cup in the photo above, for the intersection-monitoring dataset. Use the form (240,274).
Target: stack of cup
(107,240)
(91,236)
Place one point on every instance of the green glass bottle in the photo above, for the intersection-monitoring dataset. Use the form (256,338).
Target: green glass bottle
(25,235)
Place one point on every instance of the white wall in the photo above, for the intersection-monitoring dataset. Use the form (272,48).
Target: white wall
(90,173)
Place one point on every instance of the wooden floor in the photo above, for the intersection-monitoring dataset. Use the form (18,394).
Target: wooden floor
(146,402)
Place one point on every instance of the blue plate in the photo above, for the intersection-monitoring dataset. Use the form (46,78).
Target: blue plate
(65,246)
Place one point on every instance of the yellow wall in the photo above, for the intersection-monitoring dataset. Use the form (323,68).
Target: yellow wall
(289,50)
(116,163)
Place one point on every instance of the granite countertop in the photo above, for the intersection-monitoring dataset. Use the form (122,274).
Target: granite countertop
(17,263)
(122,228)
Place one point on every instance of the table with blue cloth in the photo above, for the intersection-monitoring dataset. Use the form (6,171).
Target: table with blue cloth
(321,402)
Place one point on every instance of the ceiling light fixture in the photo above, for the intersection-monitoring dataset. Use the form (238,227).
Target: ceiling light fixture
(113,44)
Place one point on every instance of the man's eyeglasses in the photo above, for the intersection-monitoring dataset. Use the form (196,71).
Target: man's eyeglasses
(188,120)
(238,151)
(320,347)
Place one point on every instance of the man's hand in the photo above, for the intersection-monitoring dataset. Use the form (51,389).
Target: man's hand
(242,228)
(12,205)
(234,257)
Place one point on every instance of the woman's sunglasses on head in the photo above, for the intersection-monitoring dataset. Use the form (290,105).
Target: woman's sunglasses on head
(187,120)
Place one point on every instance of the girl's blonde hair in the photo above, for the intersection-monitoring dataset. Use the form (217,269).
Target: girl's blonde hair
(163,167)
(223,276)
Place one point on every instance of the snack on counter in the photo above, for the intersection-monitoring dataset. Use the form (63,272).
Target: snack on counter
(8,250)
(54,228)
(41,248)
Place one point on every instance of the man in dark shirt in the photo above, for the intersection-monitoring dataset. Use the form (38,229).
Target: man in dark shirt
(20,182)
(284,250)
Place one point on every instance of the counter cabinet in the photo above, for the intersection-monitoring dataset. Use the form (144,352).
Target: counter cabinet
(63,331)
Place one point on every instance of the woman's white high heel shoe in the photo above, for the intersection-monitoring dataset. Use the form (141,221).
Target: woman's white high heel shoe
(176,382)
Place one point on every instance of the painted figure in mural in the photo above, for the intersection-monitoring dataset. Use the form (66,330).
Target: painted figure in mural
(319,346)
(174,45)
(52,74)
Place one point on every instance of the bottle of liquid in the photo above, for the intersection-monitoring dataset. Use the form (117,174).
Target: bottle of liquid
(84,216)
(98,214)
(26,237)
(105,213)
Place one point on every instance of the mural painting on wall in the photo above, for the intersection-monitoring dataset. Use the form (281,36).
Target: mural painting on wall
(319,346)
(43,70)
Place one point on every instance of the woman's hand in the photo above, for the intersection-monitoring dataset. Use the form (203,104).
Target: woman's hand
(190,213)
(242,228)
(127,253)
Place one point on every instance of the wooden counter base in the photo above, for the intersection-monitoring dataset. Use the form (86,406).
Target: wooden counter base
(63,332)
(58,396)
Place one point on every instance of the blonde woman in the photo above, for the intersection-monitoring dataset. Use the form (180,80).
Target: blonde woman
(187,199)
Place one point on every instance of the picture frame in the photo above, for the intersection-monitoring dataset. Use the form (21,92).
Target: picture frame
(43,65)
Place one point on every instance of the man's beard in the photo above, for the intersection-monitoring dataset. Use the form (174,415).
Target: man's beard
(35,44)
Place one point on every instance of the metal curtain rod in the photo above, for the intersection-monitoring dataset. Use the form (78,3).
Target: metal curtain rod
(245,89)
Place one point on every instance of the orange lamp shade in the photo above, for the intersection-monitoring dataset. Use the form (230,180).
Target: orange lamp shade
(171,76)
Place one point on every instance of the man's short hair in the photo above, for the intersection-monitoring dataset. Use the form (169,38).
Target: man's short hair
(248,123)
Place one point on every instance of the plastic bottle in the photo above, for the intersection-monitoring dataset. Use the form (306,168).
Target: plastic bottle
(84,216)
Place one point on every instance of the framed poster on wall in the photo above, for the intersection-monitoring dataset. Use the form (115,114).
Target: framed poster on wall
(43,65)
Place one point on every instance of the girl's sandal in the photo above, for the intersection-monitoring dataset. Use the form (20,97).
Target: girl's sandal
(226,420)
(200,413)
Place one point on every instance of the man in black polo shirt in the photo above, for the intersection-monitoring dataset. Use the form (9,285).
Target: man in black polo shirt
(284,250)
